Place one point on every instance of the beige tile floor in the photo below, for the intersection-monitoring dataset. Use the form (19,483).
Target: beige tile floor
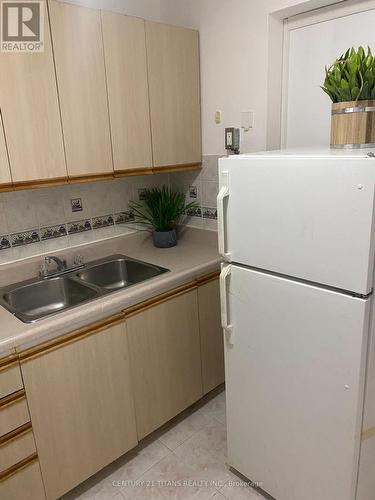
(184,460)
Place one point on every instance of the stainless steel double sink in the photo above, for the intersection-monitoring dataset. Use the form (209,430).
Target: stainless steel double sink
(37,298)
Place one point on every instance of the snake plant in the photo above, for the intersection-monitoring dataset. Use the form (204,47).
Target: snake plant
(351,77)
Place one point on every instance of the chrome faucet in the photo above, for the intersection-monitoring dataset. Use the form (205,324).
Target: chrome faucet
(61,263)
(61,266)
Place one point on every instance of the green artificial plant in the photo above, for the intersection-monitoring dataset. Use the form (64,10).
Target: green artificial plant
(351,77)
(161,208)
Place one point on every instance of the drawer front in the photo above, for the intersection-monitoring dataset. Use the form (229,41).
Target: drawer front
(10,380)
(16,448)
(24,483)
(13,414)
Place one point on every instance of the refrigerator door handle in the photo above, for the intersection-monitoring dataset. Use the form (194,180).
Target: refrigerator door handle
(223,193)
(228,328)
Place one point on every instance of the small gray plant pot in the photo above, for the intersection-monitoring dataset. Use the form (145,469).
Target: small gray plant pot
(165,239)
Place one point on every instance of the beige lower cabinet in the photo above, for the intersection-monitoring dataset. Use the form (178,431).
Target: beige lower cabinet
(165,359)
(25,483)
(13,412)
(5,177)
(10,379)
(94,392)
(212,340)
(81,404)
(16,447)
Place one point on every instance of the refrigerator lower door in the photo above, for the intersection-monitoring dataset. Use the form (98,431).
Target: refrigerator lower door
(295,367)
(311,218)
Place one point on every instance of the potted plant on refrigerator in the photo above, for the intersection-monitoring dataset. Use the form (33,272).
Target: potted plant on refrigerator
(160,211)
(350,83)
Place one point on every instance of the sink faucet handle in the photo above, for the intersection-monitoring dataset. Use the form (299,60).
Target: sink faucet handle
(78,260)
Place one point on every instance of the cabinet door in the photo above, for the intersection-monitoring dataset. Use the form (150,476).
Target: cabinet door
(17,448)
(25,483)
(81,407)
(212,339)
(126,70)
(31,117)
(165,360)
(13,413)
(173,70)
(5,178)
(78,48)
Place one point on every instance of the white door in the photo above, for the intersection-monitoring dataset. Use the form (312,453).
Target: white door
(306,217)
(313,41)
(294,380)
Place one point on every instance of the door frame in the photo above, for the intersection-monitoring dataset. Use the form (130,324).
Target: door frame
(280,24)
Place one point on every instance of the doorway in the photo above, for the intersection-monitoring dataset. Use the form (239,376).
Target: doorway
(311,41)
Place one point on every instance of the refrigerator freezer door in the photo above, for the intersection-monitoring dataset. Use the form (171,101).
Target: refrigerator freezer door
(295,381)
(310,218)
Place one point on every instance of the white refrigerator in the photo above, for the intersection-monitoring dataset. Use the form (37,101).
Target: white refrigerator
(297,234)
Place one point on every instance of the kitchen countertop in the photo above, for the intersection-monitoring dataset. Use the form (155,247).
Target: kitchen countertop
(195,255)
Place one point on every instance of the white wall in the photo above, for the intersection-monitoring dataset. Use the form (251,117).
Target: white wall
(234,60)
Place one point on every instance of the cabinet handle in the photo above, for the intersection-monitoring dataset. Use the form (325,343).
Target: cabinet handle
(227,327)
(223,193)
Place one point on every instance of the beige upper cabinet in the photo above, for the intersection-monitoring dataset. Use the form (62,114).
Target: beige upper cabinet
(165,360)
(126,69)
(30,111)
(79,58)
(173,72)
(81,406)
(5,177)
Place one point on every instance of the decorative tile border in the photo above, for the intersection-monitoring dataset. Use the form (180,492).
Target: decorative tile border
(4,242)
(25,238)
(200,188)
(79,226)
(51,232)
(194,212)
(64,229)
(209,213)
(102,221)
(124,217)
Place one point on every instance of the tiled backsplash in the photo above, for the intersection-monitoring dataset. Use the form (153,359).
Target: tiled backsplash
(40,221)
(202,187)
(37,221)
